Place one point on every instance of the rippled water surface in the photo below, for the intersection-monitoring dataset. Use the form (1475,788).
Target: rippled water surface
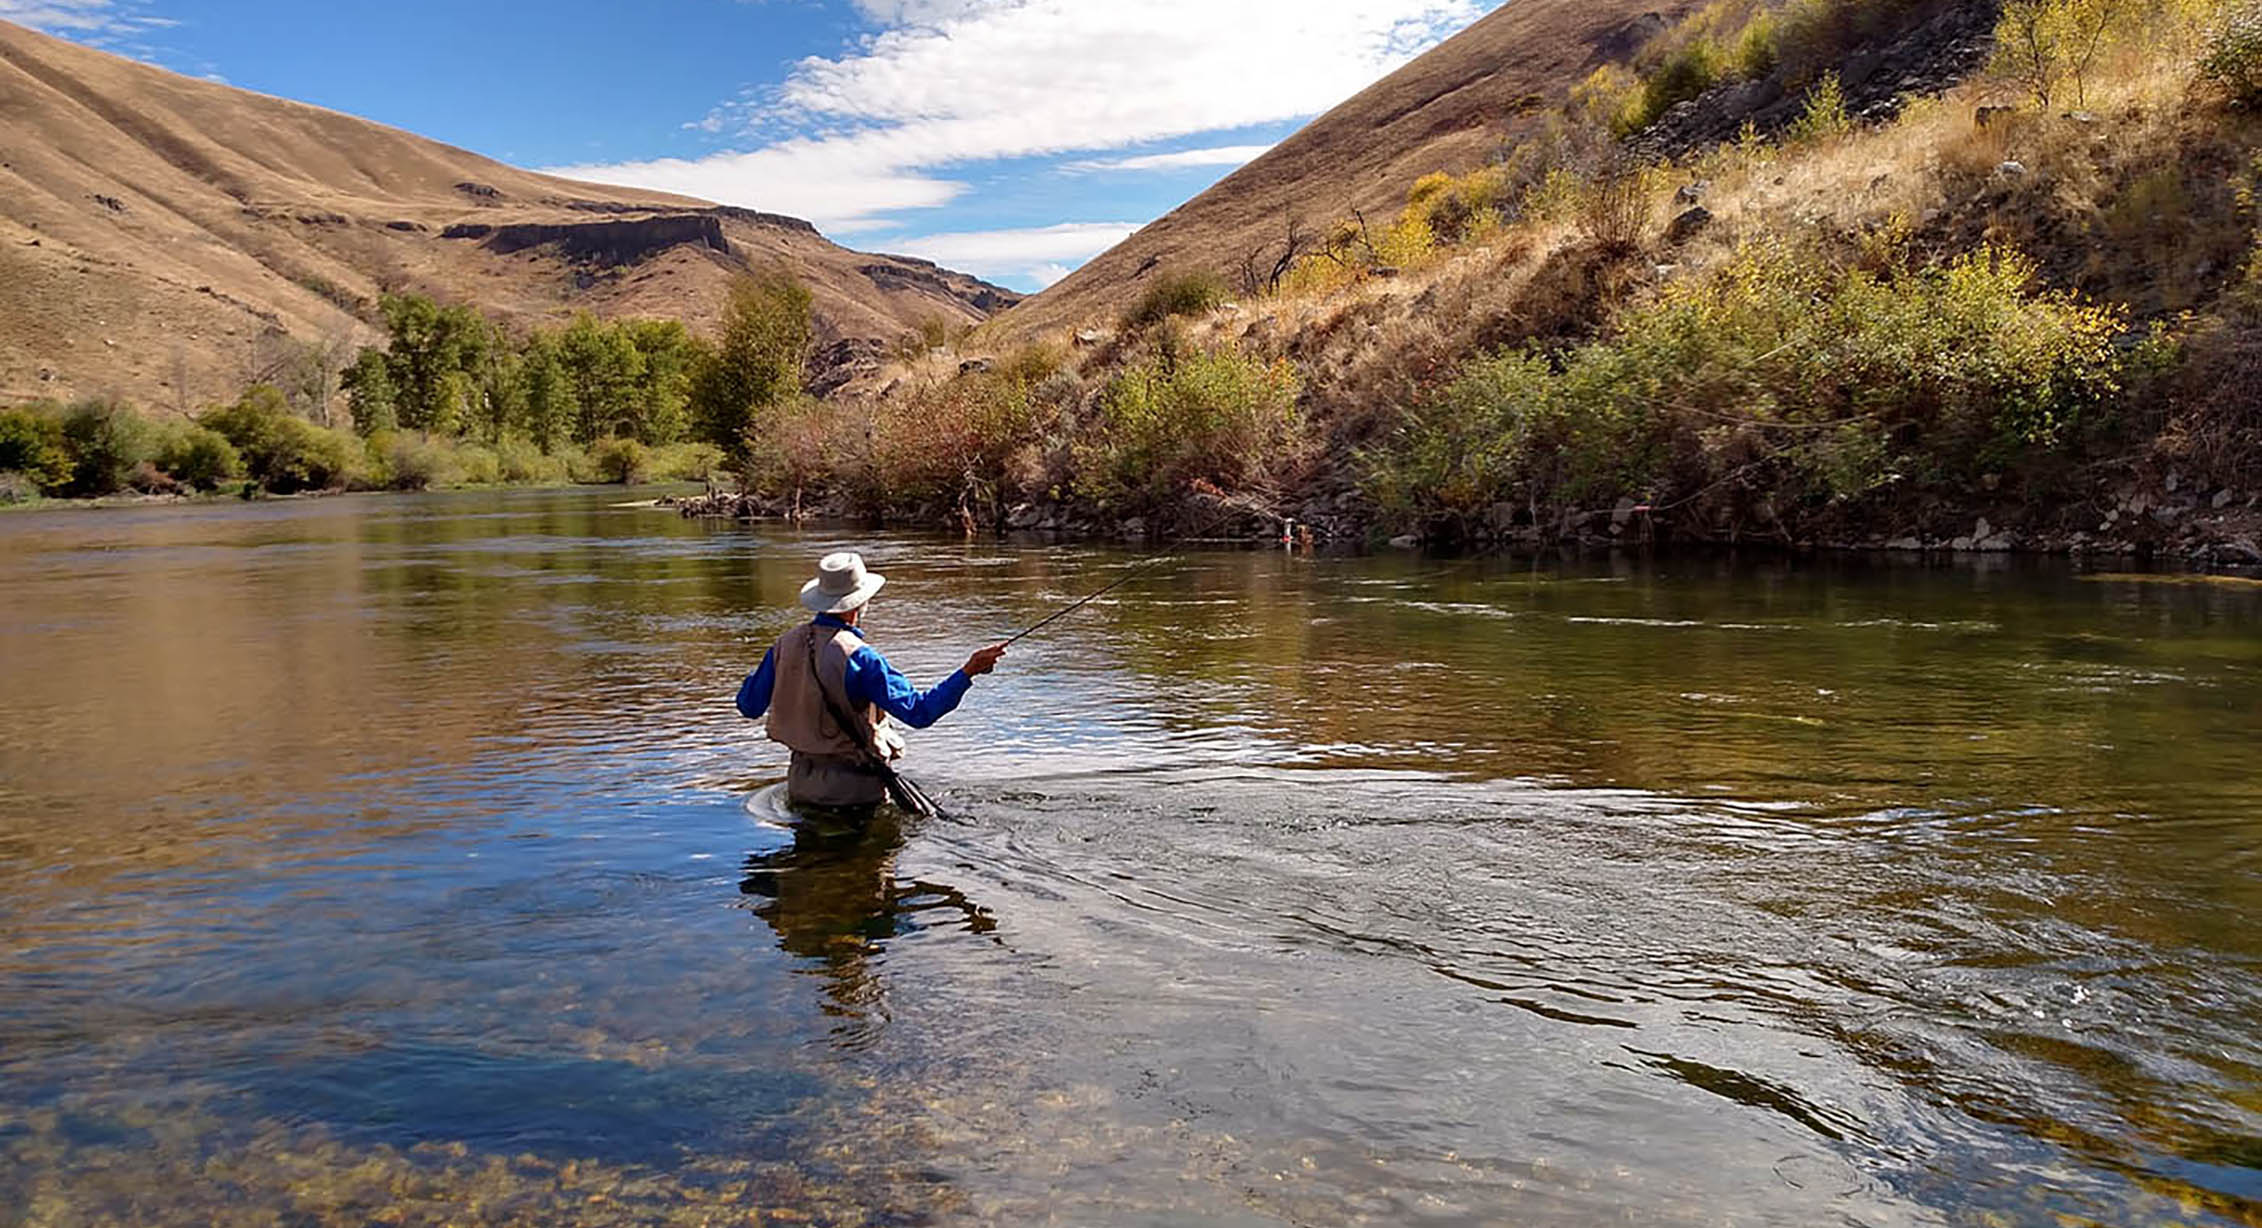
(403,860)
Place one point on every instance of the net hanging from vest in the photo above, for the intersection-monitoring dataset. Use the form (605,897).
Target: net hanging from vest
(902,790)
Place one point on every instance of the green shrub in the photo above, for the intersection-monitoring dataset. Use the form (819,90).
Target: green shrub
(32,446)
(1776,387)
(416,462)
(478,465)
(1824,115)
(521,462)
(1686,73)
(287,454)
(2233,58)
(199,457)
(685,462)
(1164,424)
(622,461)
(1176,294)
(106,440)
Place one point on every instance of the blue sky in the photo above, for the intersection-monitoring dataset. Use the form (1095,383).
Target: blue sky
(1010,138)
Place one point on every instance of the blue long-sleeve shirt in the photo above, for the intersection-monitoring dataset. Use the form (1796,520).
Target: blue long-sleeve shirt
(868,679)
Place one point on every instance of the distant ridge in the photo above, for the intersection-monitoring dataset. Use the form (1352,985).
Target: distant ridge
(157,233)
(1448,110)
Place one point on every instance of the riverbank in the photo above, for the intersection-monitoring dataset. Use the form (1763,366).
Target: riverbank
(2173,522)
(220,498)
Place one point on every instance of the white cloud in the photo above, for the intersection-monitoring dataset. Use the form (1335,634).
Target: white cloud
(119,26)
(949,82)
(1041,254)
(62,16)
(55,14)
(841,186)
(1184,159)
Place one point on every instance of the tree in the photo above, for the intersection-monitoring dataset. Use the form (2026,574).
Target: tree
(552,409)
(498,392)
(369,391)
(2046,45)
(31,443)
(757,361)
(607,373)
(431,348)
(106,439)
(669,352)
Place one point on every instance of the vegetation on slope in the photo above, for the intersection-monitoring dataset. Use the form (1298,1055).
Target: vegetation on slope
(2023,297)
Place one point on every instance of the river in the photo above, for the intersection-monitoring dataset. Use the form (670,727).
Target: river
(402,859)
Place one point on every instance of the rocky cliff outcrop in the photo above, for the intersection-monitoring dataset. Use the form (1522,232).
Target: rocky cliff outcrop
(611,243)
(1940,48)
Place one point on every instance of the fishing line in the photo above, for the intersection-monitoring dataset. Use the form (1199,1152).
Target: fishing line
(1135,568)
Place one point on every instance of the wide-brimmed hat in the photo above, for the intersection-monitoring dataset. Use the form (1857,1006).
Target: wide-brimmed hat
(841,585)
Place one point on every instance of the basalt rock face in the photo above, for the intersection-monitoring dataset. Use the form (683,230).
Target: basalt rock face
(910,272)
(1941,47)
(836,365)
(623,242)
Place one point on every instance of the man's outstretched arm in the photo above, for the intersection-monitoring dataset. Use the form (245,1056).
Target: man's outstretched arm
(870,679)
(754,693)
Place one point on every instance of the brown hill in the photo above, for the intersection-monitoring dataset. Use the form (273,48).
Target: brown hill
(158,233)
(1448,110)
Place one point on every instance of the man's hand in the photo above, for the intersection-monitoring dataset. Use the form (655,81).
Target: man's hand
(984,661)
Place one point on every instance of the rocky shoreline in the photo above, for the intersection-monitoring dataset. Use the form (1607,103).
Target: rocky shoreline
(2173,522)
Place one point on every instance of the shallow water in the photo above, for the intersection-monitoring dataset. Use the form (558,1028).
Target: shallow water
(402,859)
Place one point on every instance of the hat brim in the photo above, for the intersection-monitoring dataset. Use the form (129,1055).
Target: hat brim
(820,602)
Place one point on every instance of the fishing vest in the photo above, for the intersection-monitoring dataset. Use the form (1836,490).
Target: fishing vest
(798,715)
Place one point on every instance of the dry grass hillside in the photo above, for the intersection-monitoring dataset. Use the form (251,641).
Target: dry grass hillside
(157,233)
(1449,110)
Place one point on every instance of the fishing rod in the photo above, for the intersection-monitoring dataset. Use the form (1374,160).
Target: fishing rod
(1232,508)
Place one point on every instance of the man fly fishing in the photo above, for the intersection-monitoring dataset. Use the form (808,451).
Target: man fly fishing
(827,695)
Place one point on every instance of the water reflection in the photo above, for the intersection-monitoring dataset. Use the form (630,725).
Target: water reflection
(832,898)
(367,845)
